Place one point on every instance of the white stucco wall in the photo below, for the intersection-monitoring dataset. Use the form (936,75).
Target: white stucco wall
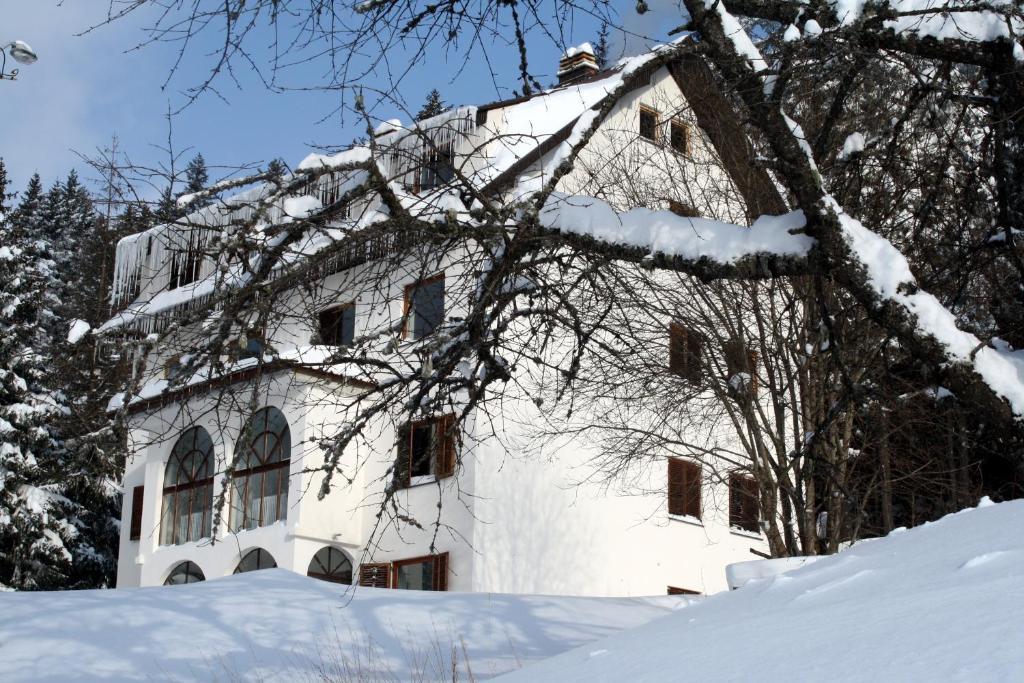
(511,521)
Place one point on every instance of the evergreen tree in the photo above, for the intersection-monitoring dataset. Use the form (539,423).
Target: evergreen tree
(83,439)
(34,530)
(432,107)
(601,49)
(197,177)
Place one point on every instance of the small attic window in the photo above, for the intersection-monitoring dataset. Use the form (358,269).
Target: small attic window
(438,167)
(679,137)
(649,124)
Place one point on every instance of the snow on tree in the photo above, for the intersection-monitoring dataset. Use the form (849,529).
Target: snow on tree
(34,531)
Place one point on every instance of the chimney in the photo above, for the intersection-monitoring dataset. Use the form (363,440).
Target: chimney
(576,64)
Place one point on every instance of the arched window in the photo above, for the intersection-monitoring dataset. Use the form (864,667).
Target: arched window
(188,489)
(186,572)
(331,564)
(257,558)
(259,487)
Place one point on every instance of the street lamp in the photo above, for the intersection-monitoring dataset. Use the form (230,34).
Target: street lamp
(21,53)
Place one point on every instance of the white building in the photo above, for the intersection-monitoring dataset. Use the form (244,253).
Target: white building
(504,522)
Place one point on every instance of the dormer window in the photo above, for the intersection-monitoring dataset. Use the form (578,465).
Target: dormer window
(424,307)
(338,325)
(649,124)
(438,166)
(185,267)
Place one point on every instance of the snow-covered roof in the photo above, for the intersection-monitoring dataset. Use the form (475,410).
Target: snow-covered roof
(504,139)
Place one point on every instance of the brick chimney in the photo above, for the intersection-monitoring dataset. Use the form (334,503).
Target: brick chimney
(576,64)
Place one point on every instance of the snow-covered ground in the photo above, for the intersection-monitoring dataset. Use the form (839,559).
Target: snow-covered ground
(943,602)
(276,625)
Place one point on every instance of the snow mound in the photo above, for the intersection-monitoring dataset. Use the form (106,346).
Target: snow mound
(274,625)
(941,602)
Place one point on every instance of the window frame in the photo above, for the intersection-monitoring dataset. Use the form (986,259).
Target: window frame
(409,312)
(186,566)
(327,575)
(444,441)
(337,310)
(685,480)
(282,465)
(259,552)
(746,486)
(646,109)
(438,566)
(677,123)
(193,485)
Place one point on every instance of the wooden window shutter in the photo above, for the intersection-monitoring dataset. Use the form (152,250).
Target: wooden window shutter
(447,443)
(744,506)
(677,348)
(675,590)
(676,487)
(375,574)
(685,347)
(684,480)
(694,351)
(440,578)
(738,359)
(135,529)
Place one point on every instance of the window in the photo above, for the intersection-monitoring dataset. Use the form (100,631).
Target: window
(338,325)
(186,262)
(331,564)
(683,488)
(186,514)
(741,367)
(679,137)
(649,124)
(424,307)
(375,575)
(744,504)
(135,527)
(251,344)
(426,448)
(254,560)
(438,167)
(685,347)
(674,590)
(186,572)
(428,573)
(259,487)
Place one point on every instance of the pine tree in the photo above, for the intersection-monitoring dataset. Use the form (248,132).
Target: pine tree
(197,177)
(601,49)
(34,530)
(83,439)
(432,107)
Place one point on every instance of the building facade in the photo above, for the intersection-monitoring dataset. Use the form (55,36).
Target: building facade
(226,471)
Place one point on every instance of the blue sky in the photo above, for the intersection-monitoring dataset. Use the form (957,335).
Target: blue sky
(87,88)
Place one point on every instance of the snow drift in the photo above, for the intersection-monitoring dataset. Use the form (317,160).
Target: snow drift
(941,602)
(274,625)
